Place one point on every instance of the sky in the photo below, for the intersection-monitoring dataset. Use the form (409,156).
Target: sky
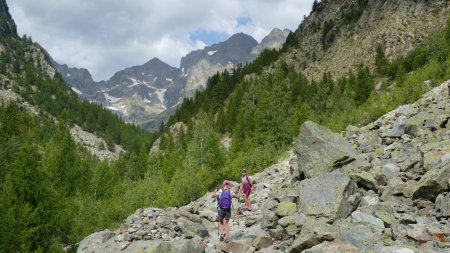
(106,36)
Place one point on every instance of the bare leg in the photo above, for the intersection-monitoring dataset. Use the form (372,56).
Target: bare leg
(221,226)
(227,229)
(247,202)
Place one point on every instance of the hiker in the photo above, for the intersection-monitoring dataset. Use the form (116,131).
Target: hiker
(226,196)
(246,187)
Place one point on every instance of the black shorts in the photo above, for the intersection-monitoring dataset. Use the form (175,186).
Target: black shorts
(224,214)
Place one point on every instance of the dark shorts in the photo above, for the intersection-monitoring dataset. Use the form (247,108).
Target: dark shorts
(224,214)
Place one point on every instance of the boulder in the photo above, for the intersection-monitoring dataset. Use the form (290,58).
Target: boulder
(332,247)
(358,216)
(142,246)
(370,200)
(188,246)
(314,232)
(277,233)
(90,243)
(390,169)
(287,220)
(304,241)
(269,219)
(443,205)
(320,150)
(418,232)
(368,142)
(365,180)
(433,183)
(189,227)
(164,247)
(234,247)
(395,249)
(398,129)
(261,242)
(365,237)
(406,156)
(292,229)
(286,209)
(330,195)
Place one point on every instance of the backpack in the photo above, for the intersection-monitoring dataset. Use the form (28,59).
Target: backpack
(225,200)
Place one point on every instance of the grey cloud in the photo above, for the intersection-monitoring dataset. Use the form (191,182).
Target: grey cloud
(108,35)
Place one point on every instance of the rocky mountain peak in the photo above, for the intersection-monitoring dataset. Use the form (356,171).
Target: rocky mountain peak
(274,40)
(235,49)
(7,24)
(156,62)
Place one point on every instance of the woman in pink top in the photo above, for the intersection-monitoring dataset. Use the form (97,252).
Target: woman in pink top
(246,187)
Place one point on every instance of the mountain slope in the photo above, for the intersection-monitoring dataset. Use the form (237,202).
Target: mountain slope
(52,147)
(374,202)
(339,35)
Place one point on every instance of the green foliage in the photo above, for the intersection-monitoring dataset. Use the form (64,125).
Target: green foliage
(328,34)
(317,6)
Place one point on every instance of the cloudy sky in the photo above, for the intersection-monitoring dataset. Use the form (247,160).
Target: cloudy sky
(105,36)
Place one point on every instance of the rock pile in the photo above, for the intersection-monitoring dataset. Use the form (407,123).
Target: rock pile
(381,188)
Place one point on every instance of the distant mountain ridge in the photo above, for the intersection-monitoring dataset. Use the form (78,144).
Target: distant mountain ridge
(147,94)
(7,24)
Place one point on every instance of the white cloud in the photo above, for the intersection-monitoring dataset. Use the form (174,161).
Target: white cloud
(108,35)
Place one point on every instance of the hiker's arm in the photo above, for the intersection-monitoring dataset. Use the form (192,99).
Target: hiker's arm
(214,193)
(237,196)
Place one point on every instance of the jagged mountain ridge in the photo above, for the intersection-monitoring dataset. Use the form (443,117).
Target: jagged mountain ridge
(339,35)
(7,24)
(201,64)
(147,94)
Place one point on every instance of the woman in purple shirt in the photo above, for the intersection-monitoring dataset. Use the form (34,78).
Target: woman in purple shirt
(246,187)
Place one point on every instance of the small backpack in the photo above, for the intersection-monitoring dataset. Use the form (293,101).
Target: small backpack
(225,200)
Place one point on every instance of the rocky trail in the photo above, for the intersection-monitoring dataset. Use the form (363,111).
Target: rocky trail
(380,188)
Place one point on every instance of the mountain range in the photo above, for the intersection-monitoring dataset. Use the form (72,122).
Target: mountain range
(148,94)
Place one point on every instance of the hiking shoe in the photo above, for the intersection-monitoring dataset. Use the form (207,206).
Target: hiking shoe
(227,240)
(221,237)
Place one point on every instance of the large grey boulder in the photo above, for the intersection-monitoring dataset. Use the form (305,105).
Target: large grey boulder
(330,195)
(189,227)
(433,183)
(320,150)
(314,232)
(364,236)
(332,247)
(358,216)
(399,128)
(234,247)
(90,243)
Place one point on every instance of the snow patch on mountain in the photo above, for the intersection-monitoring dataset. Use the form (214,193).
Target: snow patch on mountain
(160,94)
(111,99)
(212,52)
(112,108)
(76,90)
